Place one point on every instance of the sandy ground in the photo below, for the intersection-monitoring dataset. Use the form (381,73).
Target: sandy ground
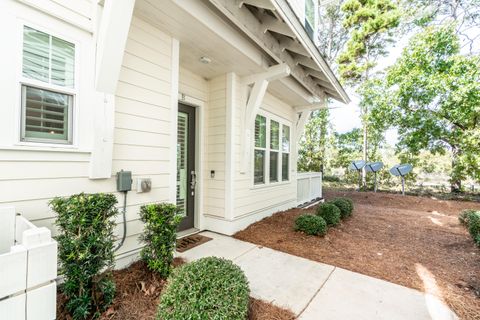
(412,241)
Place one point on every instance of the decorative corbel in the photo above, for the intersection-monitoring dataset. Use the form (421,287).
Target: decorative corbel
(260,83)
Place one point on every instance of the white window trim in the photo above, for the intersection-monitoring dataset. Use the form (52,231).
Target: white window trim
(21,80)
(269,117)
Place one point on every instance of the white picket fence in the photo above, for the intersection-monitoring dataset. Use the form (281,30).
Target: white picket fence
(309,186)
(28,269)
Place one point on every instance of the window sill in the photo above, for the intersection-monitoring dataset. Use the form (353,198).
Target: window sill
(27,146)
(270,185)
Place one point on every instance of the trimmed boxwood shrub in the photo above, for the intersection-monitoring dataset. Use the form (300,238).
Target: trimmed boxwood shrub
(85,250)
(329,212)
(209,288)
(474,226)
(464,216)
(311,224)
(345,205)
(159,236)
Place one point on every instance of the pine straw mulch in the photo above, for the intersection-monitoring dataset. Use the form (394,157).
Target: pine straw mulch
(395,238)
(138,292)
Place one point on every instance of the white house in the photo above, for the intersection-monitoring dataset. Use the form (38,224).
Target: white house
(206,98)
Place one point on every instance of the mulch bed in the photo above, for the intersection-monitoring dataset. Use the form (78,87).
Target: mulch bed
(138,292)
(395,238)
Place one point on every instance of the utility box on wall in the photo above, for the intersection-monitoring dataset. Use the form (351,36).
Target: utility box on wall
(124,181)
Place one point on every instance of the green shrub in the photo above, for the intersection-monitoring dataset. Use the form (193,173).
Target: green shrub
(86,252)
(474,226)
(209,288)
(331,178)
(329,212)
(345,205)
(311,224)
(159,236)
(464,216)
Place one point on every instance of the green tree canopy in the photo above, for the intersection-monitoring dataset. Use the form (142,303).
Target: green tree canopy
(370,23)
(312,151)
(434,100)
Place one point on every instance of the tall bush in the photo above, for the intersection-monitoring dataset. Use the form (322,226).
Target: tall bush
(159,236)
(86,252)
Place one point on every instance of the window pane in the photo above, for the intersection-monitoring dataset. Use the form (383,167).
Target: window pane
(63,62)
(259,170)
(273,166)
(274,135)
(286,138)
(36,47)
(285,166)
(260,132)
(46,114)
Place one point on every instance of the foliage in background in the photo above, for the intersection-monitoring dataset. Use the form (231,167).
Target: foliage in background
(331,32)
(371,24)
(465,13)
(159,236)
(434,101)
(311,225)
(313,146)
(209,288)
(85,249)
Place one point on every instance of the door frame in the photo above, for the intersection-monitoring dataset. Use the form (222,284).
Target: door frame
(198,106)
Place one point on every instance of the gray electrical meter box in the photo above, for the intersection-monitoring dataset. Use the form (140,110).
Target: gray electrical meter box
(124,180)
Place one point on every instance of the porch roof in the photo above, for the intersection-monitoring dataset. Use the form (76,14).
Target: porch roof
(274,27)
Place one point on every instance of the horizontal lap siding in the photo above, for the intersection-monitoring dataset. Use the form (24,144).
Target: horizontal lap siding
(142,144)
(212,93)
(215,120)
(250,200)
(143,127)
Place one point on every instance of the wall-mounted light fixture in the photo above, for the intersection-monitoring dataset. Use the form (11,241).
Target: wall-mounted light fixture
(205,60)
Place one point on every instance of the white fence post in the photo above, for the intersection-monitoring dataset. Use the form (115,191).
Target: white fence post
(28,269)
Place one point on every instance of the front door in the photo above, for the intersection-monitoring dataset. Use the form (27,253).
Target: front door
(186,176)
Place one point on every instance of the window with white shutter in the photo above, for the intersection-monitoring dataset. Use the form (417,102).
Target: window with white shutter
(48,88)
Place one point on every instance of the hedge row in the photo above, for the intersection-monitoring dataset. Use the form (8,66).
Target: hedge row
(327,214)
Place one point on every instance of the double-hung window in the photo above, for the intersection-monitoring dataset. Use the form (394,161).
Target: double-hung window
(47,88)
(272,151)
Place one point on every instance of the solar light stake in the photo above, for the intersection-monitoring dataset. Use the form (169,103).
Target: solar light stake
(401,170)
(358,165)
(359,180)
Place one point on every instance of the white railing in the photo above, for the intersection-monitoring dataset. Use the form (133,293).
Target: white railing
(309,186)
(28,269)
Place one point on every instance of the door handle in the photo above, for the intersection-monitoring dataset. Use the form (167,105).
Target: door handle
(193,182)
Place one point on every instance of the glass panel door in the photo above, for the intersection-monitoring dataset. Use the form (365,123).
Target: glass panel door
(186,176)
(182,152)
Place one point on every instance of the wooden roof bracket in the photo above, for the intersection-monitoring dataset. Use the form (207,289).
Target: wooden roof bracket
(259,84)
(305,112)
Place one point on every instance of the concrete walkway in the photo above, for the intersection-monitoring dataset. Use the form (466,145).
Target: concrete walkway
(315,290)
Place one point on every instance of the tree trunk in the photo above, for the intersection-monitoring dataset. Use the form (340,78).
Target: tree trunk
(455,180)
